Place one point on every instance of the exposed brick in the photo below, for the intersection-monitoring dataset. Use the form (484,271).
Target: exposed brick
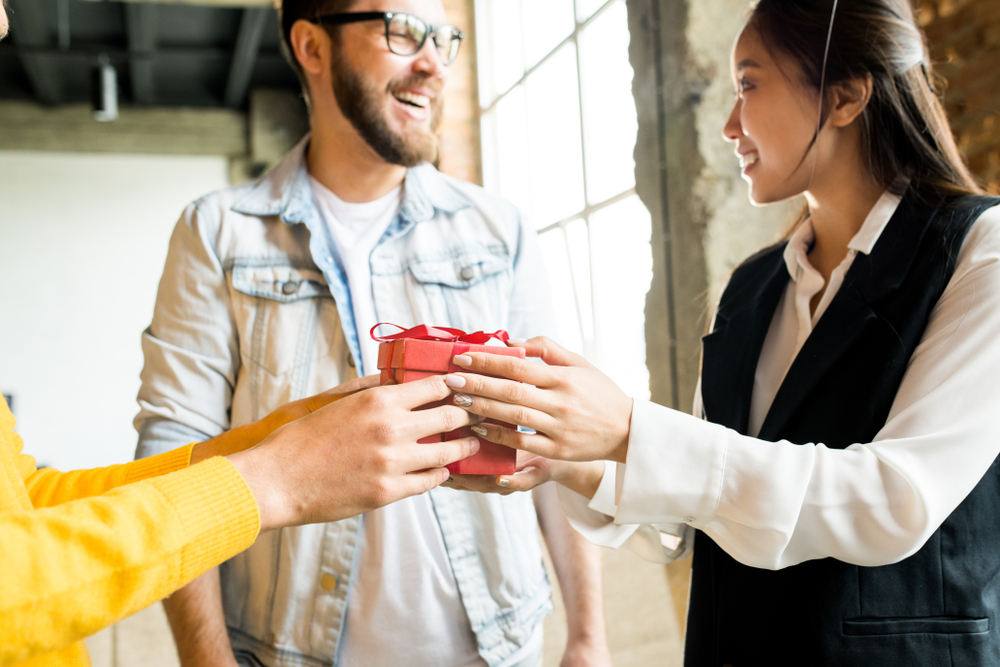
(460,148)
(964,40)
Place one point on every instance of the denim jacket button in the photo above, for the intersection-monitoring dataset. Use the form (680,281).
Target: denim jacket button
(328,582)
(467,273)
(290,287)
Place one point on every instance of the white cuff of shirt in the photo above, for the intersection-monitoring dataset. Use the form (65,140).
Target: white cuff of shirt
(594,518)
(604,499)
(674,468)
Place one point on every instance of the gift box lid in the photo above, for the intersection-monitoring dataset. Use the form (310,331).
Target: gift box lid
(432,355)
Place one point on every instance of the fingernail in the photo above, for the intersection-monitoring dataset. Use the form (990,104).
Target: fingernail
(475,445)
(456,381)
(463,401)
(503,481)
(479,430)
(463,360)
(516,341)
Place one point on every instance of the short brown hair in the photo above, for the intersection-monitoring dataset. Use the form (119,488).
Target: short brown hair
(291,11)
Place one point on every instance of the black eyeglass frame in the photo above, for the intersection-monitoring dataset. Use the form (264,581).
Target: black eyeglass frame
(358,17)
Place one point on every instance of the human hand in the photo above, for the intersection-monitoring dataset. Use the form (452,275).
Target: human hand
(578,413)
(531,471)
(354,455)
(246,436)
(300,408)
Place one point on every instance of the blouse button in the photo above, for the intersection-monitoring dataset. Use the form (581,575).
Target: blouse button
(290,287)
(467,273)
(689,519)
(328,582)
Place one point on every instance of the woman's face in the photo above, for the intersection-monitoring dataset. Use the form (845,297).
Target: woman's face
(772,121)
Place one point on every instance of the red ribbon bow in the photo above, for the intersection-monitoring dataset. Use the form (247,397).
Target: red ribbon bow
(424,332)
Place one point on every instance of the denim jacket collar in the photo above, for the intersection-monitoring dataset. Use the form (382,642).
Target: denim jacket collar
(285,192)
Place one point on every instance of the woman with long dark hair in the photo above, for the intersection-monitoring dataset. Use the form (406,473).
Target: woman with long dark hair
(842,491)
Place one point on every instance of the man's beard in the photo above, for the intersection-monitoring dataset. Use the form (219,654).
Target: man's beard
(363,106)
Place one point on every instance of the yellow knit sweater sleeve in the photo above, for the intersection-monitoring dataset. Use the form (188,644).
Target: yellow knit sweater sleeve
(69,570)
(48,487)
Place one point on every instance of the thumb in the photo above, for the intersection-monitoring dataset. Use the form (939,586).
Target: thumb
(524,480)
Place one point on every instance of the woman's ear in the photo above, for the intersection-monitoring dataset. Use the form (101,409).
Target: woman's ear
(311,46)
(849,99)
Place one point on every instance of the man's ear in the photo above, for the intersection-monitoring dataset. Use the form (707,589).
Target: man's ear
(849,99)
(311,46)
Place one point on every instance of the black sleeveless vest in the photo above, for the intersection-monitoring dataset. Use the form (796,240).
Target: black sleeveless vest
(939,607)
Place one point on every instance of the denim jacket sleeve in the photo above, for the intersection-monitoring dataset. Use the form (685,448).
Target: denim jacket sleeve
(191,350)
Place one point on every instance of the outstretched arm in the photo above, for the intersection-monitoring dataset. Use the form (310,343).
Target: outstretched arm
(75,568)
(48,487)
(578,568)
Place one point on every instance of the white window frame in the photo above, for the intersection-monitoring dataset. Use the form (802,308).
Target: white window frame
(490,149)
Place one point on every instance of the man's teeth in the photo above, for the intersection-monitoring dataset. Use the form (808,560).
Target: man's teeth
(413,99)
(748,159)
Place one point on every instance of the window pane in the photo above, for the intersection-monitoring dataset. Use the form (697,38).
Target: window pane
(553,244)
(578,240)
(609,120)
(555,159)
(512,150)
(506,40)
(623,269)
(584,8)
(546,24)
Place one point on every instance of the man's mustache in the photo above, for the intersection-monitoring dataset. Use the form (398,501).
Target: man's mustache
(430,82)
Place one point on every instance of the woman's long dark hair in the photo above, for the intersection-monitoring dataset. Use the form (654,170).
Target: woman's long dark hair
(904,124)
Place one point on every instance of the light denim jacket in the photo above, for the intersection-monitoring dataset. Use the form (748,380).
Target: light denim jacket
(253,310)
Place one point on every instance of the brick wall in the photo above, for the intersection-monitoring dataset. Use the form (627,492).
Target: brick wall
(460,149)
(964,39)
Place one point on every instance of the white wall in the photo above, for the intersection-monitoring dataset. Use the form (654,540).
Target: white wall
(83,238)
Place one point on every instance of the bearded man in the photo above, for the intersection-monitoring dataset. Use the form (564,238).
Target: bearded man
(268,295)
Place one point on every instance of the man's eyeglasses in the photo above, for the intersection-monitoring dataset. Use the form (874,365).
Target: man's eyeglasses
(405,33)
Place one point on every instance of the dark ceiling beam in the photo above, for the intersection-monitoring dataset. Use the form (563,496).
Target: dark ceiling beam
(140,22)
(118,54)
(28,27)
(245,54)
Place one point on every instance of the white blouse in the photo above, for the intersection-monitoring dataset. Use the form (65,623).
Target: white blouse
(772,505)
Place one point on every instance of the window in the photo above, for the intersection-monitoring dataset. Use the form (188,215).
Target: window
(558,129)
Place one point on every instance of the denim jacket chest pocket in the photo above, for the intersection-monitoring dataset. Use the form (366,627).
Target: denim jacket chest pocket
(291,342)
(467,287)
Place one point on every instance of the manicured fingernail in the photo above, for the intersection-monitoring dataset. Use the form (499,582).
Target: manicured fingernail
(479,430)
(463,360)
(516,341)
(454,381)
(475,445)
(463,401)
(503,481)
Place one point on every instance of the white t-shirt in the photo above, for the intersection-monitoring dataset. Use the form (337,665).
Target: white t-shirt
(404,606)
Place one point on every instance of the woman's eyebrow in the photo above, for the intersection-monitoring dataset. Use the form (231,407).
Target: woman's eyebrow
(747,62)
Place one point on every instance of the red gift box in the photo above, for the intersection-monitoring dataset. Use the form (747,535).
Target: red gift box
(417,353)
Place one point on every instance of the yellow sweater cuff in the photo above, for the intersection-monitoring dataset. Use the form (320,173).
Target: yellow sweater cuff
(154,466)
(216,509)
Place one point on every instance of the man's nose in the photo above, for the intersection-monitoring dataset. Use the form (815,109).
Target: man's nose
(428,60)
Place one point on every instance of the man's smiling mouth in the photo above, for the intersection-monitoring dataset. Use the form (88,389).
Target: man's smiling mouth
(412,99)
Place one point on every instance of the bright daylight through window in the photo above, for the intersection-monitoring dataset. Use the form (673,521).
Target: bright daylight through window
(558,131)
